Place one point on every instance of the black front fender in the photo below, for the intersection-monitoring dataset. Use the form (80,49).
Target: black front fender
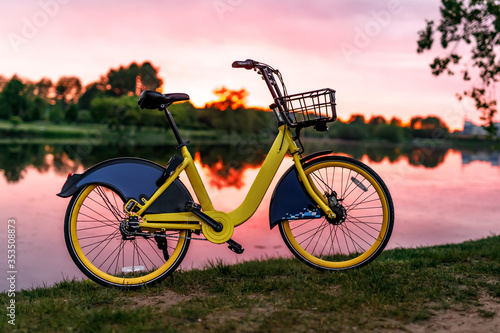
(290,200)
(131,178)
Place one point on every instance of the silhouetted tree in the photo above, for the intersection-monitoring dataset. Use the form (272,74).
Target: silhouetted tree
(357,119)
(14,100)
(477,24)
(3,81)
(396,121)
(91,91)
(68,89)
(377,120)
(132,80)
(429,127)
(228,99)
(44,88)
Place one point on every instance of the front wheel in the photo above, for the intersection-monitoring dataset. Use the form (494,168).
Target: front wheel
(101,249)
(364,216)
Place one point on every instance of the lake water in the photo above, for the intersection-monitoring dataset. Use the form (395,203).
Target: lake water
(440,196)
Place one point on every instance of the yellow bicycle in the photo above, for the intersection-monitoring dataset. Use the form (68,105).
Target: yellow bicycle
(130,221)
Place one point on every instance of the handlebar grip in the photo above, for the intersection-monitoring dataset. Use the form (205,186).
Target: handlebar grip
(247,64)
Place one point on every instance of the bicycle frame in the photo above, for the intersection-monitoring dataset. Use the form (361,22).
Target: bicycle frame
(283,144)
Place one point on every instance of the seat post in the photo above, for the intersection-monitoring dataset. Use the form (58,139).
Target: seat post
(177,134)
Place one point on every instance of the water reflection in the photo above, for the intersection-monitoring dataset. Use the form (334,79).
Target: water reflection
(225,162)
(423,154)
(491,157)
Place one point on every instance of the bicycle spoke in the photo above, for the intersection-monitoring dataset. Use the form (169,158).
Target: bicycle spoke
(99,253)
(108,203)
(141,255)
(319,238)
(93,228)
(113,222)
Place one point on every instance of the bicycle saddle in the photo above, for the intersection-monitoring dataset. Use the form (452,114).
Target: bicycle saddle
(151,99)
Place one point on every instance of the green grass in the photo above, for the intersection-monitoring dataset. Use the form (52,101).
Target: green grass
(402,286)
(46,132)
(47,129)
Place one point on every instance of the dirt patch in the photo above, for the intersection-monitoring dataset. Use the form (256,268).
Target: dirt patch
(484,318)
(162,301)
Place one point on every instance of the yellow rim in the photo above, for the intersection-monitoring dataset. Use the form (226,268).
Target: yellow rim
(103,275)
(355,261)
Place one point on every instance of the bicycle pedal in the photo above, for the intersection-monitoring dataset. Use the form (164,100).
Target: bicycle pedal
(235,247)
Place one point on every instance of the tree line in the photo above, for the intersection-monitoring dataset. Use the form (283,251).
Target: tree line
(112,100)
(358,128)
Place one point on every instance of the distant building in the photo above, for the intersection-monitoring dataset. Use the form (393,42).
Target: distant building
(471,129)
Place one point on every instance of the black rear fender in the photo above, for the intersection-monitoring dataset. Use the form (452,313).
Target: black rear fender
(131,178)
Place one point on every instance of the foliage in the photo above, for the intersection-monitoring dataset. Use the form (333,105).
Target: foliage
(185,114)
(228,99)
(72,113)
(349,131)
(14,100)
(115,111)
(477,24)
(429,127)
(68,89)
(91,91)
(389,132)
(56,114)
(38,108)
(84,116)
(132,79)
(229,113)
(15,120)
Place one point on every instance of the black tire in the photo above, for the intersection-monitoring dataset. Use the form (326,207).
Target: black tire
(364,222)
(95,243)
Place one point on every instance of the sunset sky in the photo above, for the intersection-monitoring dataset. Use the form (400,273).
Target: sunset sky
(364,49)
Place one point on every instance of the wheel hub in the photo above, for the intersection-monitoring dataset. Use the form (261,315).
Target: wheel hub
(129,228)
(337,208)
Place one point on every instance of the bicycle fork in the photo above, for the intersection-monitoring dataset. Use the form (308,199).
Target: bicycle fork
(320,200)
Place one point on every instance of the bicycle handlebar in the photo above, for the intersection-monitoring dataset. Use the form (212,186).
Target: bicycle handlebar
(267,73)
(247,64)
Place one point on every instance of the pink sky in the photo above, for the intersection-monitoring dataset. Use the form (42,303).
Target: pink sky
(366,50)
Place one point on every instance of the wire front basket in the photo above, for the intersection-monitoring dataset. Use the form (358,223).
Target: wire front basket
(309,108)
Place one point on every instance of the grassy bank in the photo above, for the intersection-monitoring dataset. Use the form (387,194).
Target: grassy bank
(47,132)
(403,287)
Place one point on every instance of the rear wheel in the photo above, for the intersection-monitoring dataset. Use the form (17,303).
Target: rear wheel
(108,254)
(364,216)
